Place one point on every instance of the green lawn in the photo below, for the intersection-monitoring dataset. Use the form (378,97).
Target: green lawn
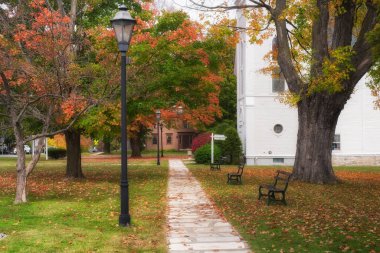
(82,216)
(319,218)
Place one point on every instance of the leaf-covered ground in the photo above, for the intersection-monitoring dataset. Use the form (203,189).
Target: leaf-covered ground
(319,218)
(82,216)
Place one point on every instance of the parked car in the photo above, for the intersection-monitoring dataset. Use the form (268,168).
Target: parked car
(93,150)
(27,149)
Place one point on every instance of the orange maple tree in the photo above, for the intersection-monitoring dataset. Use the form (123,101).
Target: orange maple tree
(38,79)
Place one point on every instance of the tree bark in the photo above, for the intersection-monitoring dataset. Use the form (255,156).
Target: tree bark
(21,175)
(20,166)
(317,119)
(106,146)
(135,146)
(24,171)
(73,164)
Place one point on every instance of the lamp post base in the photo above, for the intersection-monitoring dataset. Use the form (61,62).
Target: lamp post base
(124,220)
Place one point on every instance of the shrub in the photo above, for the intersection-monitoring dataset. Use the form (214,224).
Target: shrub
(203,154)
(200,140)
(56,153)
(231,147)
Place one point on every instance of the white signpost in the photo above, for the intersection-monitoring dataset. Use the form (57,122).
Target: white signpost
(216,137)
(46,149)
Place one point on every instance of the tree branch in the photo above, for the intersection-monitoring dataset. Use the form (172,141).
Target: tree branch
(302,46)
(34,101)
(319,45)
(6,86)
(262,3)
(362,59)
(239,28)
(60,7)
(37,136)
(284,53)
(225,7)
(293,57)
(344,23)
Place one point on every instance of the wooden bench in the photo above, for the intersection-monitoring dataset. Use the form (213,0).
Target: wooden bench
(236,177)
(281,181)
(216,165)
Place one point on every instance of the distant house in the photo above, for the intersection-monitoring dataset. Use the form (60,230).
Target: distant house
(179,137)
(268,128)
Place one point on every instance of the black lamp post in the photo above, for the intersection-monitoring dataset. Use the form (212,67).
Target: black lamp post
(162,142)
(158,117)
(123,25)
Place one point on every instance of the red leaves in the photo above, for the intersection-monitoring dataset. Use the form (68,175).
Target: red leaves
(49,32)
(72,106)
(200,140)
(187,34)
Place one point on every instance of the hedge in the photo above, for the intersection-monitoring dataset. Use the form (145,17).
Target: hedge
(203,154)
(56,153)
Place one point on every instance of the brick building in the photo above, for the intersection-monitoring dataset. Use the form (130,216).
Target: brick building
(179,137)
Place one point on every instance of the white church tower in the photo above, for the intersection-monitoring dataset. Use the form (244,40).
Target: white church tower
(268,128)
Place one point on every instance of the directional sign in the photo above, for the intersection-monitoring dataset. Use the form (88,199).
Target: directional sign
(216,137)
(219,137)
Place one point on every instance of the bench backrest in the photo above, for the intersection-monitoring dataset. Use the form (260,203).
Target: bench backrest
(241,165)
(281,180)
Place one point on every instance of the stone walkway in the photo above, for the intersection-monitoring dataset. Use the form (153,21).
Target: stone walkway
(194,225)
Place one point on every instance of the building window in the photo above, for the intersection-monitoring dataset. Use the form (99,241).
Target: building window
(278,81)
(336,142)
(186,125)
(154,139)
(278,128)
(278,160)
(169,138)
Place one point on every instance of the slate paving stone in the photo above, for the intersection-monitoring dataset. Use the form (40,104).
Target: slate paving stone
(193,223)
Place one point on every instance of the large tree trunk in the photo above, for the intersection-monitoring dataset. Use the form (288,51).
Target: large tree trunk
(135,146)
(317,119)
(106,145)
(73,164)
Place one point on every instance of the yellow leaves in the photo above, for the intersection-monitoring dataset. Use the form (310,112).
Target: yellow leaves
(335,71)
(57,141)
(221,30)
(258,28)
(289,98)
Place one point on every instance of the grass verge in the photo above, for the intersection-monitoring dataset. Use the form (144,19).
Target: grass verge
(319,218)
(82,216)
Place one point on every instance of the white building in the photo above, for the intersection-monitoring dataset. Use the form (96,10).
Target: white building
(268,128)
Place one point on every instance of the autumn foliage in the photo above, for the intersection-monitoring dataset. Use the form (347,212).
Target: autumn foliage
(41,88)
(170,67)
(311,222)
(36,60)
(200,141)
